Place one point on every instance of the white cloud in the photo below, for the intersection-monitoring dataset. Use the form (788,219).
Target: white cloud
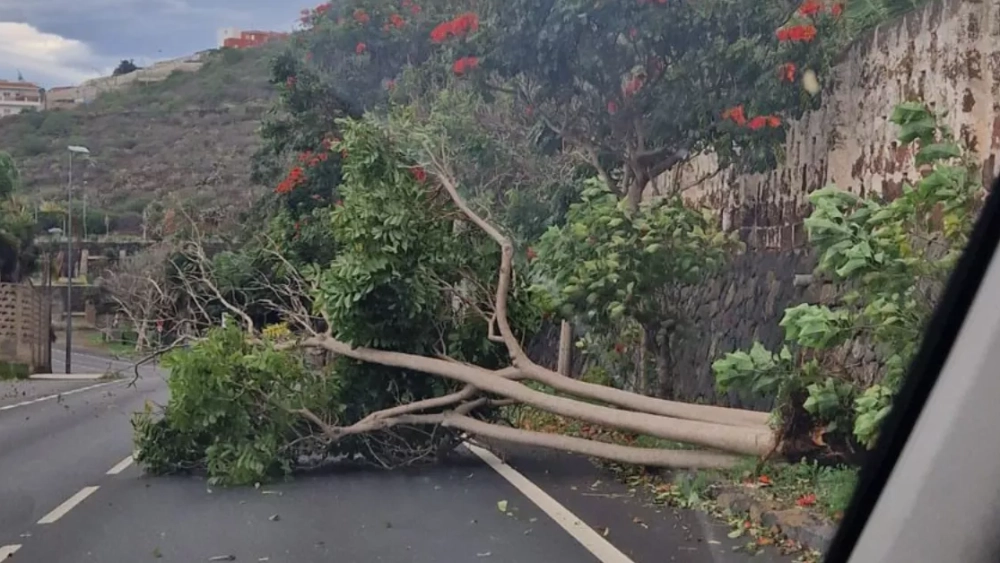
(47,58)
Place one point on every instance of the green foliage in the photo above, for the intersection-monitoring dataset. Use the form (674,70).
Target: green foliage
(230,411)
(10,177)
(620,271)
(18,254)
(893,259)
(610,263)
(520,178)
(405,250)
(11,370)
(596,70)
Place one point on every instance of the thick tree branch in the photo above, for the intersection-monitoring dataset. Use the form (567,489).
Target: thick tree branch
(719,415)
(744,440)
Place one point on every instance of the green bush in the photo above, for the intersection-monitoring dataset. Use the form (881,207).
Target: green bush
(11,370)
(231,411)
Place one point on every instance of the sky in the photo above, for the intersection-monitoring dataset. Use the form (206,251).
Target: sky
(64,42)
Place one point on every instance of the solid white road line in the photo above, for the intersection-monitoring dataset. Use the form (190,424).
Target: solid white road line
(64,394)
(65,507)
(122,466)
(581,532)
(8,551)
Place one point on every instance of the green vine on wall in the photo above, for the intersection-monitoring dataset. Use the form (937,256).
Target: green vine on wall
(892,259)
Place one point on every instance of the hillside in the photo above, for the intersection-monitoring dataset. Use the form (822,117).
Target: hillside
(191,136)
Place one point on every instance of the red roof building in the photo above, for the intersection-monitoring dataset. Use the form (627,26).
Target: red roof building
(248,39)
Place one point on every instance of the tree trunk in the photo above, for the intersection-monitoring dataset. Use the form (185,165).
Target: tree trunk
(633,194)
(664,373)
(565,366)
(640,374)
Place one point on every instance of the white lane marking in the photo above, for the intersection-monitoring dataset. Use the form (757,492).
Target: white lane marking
(70,504)
(581,532)
(64,394)
(122,466)
(8,551)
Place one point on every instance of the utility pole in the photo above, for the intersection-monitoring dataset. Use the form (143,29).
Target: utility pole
(69,255)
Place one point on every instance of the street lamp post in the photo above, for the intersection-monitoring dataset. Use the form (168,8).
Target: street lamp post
(73,149)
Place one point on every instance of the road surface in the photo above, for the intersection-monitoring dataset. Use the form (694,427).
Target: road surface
(69,494)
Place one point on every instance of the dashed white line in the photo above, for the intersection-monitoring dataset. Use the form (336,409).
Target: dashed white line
(579,530)
(65,507)
(50,397)
(8,551)
(121,466)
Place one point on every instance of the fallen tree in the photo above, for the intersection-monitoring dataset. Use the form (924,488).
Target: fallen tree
(409,305)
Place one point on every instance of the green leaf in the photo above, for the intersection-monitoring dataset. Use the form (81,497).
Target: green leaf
(937,151)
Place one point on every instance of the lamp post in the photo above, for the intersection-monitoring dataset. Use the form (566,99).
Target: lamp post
(73,149)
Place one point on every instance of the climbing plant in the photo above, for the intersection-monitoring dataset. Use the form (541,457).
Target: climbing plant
(892,259)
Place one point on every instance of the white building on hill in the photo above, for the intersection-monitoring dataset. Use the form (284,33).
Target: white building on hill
(16,97)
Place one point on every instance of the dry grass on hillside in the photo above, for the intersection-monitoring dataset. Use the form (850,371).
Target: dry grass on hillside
(190,136)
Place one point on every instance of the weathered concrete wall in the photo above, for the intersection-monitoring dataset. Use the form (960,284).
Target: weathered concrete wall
(947,54)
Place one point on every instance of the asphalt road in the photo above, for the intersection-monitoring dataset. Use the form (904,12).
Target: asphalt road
(69,495)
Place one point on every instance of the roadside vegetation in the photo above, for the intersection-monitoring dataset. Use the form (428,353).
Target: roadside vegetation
(449,181)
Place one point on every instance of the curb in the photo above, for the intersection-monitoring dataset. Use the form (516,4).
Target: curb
(795,523)
(68,376)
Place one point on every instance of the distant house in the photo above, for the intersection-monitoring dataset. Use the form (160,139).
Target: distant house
(16,97)
(63,97)
(236,39)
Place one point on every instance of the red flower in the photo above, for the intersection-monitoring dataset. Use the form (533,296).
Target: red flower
(360,48)
(788,72)
(773,121)
(465,64)
(797,33)
(397,21)
(419,173)
(361,16)
(633,85)
(390,84)
(806,500)
(836,10)
(294,179)
(531,254)
(340,203)
(619,347)
(758,122)
(736,114)
(612,107)
(457,27)
(810,8)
